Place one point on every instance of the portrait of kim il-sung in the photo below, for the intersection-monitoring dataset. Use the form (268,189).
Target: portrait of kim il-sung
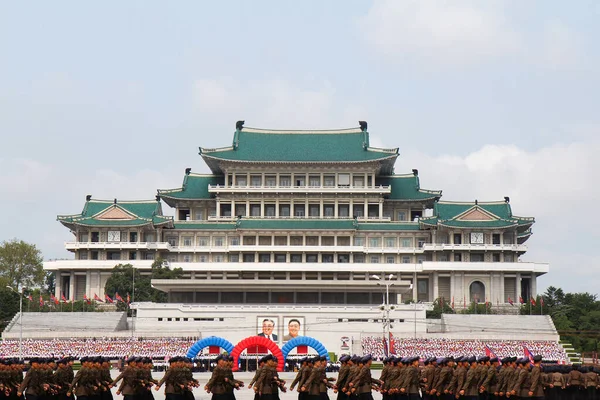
(268,327)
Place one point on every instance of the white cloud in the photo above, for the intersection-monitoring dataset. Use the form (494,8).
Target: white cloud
(556,184)
(275,103)
(451,32)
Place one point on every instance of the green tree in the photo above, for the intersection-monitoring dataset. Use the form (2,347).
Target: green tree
(20,264)
(440,306)
(479,308)
(50,282)
(10,306)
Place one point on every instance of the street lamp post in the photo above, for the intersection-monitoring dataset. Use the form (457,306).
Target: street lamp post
(386,306)
(20,321)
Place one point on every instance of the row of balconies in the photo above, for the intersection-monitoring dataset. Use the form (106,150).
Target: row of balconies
(287,248)
(378,189)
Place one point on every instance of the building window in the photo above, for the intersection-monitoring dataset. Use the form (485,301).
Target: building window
(296,240)
(187,241)
(328,210)
(296,258)
(199,215)
(373,242)
(406,242)
(344,210)
(442,257)
(240,210)
(358,181)
(83,237)
(477,292)
(83,255)
(358,211)
(359,241)
(234,258)
(299,181)
(327,240)
(374,259)
(390,259)
(390,242)
(264,258)
(241,180)
(270,181)
(401,216)
(280,258)
(508,258)
(327,258)
(133,255)
(255,210)
(312,240)
(203,258)
(203,241)
(284,210)
(495,257)
(269,210)
(219,241)
(187,258)
(329,181)
(256,180)
(172,258)
(149,256)
(299,210)
(218,258)
(285,181)
(476,257)
(457,257)
(343,258)
(234,240)
(344,179)
(113,255)
(405,259)
(421,242)
(457,238)
(248,258)
(359,258)
(420,259)
(496,238)
(312,258)
(172,240)
(314,210)
(314,181)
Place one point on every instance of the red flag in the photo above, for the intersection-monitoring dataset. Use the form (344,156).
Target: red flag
(108,299)
(392,343)
(510,301)
(521,300)
(86,299)
(532,301)
(41,301)
(30,298)
(528,354)
(54,299)
(63,298)
(491,354)
(97,298)
(118,298)
(542,301)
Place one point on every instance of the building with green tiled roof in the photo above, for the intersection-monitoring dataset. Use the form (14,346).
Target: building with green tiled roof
(304,218)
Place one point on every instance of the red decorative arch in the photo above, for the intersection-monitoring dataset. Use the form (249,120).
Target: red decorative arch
(257,341)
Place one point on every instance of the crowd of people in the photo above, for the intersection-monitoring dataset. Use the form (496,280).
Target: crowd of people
(105,347)
(549,350)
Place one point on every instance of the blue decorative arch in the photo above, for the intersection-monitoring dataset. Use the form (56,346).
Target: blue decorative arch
(304,341)
(209,341)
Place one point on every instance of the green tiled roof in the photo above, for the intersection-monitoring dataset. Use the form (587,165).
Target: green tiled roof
(390,226)
(145,212)
(264,145)
(204,225)
(194,187)
(500,216)
(305,224)
(407,188)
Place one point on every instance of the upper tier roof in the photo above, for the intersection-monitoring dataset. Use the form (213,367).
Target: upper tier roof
(297,146)
(407,188)
(476,215)
(109,213)
(194,187)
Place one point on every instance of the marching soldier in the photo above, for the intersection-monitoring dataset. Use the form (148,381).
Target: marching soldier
(217,382)
(490,383)
(173,380)
(536,390)
(410,386)
(470,388)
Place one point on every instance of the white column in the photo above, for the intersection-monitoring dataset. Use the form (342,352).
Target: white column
(451,286)
(277,207)
(99,288)
(233,208)
(262,207)
(366,208)
(218,207)
(501,293)
(336,205)
(380,208)
(518,287)
(57,284)
(72,286)
(88,283)
(415,285)
(533,285)
(321,212)
(436,288)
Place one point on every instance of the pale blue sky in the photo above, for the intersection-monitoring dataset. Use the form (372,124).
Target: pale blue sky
(486,99)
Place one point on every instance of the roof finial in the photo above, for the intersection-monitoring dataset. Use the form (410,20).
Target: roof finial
(158,197)
(475,201)
(415,172)
(363,125)
(88,197)
(507,199)
(187,171)
(239,125)
(115,201)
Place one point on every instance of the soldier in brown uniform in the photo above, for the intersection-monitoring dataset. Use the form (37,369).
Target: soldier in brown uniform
(410,385)
(173,381)
(130,385)
(461,376)
(342,379)
(470,387)
(266,384)
(217,384)
(490,382)
(363,382)
(33,385)
(510,377)
(523,380)
(62,378)
(353,370)
(574,383)
(482,369)
(590,382)
(556,383)
(259,367)
(442,382)
(427,378)
(303,363)
(536,390)
(387,385)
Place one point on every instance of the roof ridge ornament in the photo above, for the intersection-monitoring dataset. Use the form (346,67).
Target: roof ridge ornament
(363,127)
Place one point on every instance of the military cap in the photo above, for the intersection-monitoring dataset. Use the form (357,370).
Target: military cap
(471,359)
(440,360)
(323,358)
(316,359)
(494,359)
(344,358)
(537,358)
(366,358)
(426,361)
